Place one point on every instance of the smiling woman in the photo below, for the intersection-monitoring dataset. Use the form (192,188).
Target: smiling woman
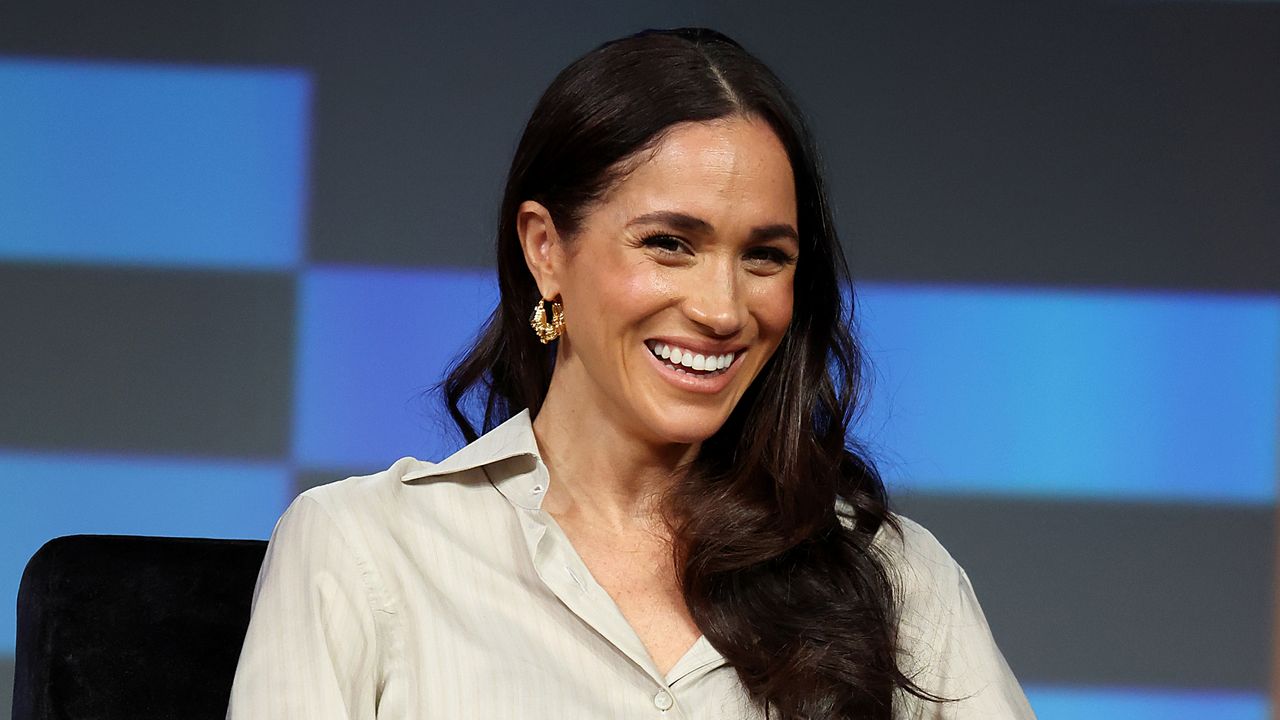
(663,514)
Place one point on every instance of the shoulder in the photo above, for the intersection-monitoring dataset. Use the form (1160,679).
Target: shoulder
(359,512)
(915,557)
(348,528)
(915,561)
(412,504)
(929,585)
(944,641)
(408,487)
(363,494)
(335,510)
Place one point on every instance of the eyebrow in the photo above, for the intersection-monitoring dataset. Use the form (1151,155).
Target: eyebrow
(688,223)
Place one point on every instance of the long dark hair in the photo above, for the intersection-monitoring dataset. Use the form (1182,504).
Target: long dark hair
(774,520)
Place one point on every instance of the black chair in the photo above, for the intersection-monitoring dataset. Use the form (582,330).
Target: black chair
(132,627)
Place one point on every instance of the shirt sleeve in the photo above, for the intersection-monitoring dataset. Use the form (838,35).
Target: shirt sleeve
(951,651)
(310,652)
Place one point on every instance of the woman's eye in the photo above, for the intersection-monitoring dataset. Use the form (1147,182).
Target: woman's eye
(664,243)
(771,255)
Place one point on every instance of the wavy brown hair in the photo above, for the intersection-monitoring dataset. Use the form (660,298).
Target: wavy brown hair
(773,521)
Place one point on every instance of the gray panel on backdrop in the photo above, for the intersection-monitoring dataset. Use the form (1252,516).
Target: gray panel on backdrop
(89,363)
(6,687)
(1119,593)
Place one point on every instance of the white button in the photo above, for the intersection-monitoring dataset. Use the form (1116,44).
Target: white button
(536,489)
(662,700)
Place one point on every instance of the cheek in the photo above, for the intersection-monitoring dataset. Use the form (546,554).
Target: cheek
(612,297)
(772,304)
(638,289)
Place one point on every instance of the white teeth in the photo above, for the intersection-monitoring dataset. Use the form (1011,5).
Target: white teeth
(685,359)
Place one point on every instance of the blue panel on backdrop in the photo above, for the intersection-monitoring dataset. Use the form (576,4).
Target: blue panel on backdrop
(1103,394)
(46,496)
(156,165)
(370,342)
(1125,704)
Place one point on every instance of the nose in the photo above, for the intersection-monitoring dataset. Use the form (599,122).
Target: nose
(715,301)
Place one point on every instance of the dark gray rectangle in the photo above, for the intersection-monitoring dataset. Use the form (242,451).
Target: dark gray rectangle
(1117,593)
(146,360)
(305,479)
(6,687)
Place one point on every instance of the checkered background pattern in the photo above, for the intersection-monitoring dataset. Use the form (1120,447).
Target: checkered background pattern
(239,244)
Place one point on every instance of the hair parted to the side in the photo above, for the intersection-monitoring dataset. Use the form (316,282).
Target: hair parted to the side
(774,520)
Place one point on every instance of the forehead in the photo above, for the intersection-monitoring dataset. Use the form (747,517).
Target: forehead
(729,172)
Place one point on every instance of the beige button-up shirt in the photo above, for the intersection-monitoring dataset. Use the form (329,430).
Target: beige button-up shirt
(445,591)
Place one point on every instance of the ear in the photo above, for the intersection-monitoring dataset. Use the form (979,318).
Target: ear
(543,249)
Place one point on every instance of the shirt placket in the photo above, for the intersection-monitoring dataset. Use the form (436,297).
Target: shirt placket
(563,572)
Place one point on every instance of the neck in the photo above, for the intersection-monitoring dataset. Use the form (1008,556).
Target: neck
(602,471)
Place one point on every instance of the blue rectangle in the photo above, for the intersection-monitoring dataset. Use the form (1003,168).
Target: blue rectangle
(1087,703)
(370,342)
(1149,396)
(43,496)
(153,165)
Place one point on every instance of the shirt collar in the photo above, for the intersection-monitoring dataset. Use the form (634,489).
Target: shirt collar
(508,455)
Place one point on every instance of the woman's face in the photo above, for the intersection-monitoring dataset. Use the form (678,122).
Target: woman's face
(678,285)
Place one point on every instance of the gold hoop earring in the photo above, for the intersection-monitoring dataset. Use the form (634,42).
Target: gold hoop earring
(547,331)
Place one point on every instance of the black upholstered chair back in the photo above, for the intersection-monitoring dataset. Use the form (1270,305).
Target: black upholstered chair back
(132,627)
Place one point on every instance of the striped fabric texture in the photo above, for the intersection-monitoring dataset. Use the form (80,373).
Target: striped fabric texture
(444,590)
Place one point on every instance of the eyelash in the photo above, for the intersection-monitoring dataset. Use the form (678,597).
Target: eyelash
(655,240)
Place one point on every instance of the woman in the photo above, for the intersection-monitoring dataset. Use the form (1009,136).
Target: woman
(663,518)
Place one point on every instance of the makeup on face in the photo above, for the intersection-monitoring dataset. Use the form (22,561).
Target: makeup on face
(679,286)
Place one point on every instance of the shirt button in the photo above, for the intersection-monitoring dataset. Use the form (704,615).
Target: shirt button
(662,700)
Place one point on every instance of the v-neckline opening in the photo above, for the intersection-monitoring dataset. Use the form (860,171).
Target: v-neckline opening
(698,655)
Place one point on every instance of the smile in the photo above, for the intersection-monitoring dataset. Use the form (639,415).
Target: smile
(682,360)
(697,372)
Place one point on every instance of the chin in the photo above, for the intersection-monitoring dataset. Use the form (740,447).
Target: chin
(693,426)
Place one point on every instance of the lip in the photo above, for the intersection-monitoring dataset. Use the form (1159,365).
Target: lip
(696,383)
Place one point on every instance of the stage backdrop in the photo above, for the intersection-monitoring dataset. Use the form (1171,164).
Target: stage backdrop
(240,240)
